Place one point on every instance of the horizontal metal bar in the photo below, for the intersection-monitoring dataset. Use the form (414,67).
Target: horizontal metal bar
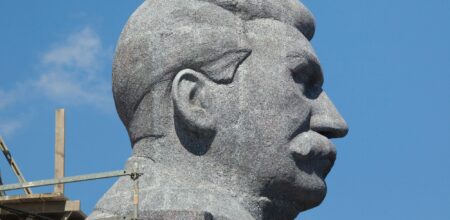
(72,179)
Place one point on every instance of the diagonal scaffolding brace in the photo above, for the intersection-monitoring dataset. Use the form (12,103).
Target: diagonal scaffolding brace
(13,165)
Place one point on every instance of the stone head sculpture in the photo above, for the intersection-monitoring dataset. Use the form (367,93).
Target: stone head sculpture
(223,103)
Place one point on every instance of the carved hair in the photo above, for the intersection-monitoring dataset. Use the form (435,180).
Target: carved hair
(208,36)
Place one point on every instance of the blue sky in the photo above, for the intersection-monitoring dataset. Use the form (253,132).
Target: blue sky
(386,66)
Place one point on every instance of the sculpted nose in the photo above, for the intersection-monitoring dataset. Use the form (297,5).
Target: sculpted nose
(326,120)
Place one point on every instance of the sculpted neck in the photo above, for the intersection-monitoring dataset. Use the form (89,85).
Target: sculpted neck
(193,183)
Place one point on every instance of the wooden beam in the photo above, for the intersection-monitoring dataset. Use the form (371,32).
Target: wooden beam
(59,148)
(40,207)
(55,206)
(47,197)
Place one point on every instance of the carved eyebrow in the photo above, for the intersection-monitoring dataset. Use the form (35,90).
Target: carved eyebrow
(301,54)
(307,56)
(298,60)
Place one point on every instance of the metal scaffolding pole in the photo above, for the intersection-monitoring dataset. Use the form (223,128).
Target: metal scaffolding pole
(67,180)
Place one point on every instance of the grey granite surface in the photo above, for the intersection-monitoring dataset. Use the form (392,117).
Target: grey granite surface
(224,107)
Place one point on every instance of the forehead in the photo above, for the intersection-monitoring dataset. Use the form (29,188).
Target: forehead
(291,12)
(276,39)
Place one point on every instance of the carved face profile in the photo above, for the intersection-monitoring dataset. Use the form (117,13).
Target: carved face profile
(285,119)
(230,93)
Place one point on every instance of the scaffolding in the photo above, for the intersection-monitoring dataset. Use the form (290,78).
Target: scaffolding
(54,205)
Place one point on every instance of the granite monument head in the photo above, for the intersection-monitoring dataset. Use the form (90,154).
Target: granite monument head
(223,104)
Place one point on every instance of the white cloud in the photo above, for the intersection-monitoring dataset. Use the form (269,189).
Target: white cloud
(67,89)
(5,99)
(71,73)
(9,127)
(81,50)
(9,97)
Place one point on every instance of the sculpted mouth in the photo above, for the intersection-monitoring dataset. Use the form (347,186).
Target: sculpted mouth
(313,153)
(312,163)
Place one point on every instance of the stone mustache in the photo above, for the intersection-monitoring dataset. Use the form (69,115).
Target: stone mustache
(224,107)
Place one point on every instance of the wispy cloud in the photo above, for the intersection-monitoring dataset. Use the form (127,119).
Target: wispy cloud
(9,127)
(5,99)
(10,123)
(10,97)
(81,50)
(71,71)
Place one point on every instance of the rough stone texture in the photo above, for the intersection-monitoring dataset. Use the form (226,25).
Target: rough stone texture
(179,215)
(223,103)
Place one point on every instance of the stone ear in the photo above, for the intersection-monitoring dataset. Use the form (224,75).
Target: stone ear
(190,100)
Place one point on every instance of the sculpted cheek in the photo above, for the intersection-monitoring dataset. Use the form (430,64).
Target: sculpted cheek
(296,111)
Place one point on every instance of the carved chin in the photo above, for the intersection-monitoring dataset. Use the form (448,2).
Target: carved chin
(302,194)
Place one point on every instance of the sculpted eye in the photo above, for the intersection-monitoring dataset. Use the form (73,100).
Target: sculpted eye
(309,75)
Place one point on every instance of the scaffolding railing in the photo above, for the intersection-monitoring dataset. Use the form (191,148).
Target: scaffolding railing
(59,179)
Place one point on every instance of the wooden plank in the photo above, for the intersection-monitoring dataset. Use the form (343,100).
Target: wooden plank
(59,148)
(55,206)
(68,209)
(13,165)
(47,207)
(32,198)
